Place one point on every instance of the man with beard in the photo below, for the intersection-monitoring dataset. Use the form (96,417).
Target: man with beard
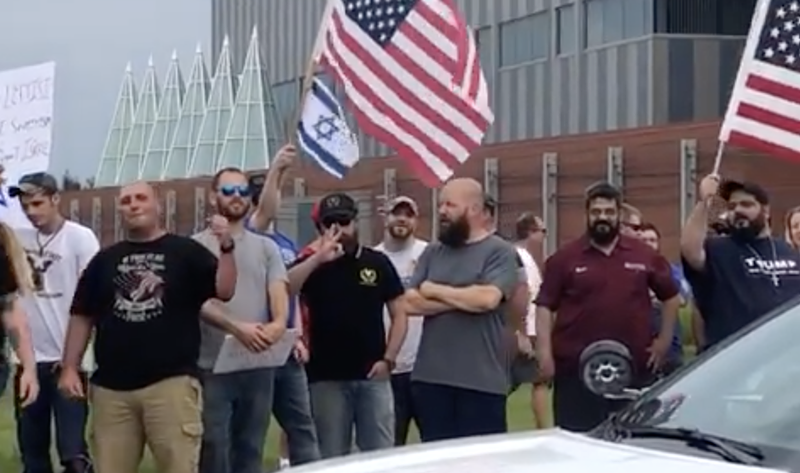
(739,277)
(598,288)
(403,250)
(345,287)
(461,286)
(238,404)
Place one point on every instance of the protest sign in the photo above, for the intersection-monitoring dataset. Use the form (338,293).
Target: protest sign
(233,356)
(26,128)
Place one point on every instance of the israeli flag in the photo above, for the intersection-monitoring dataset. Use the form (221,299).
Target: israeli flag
(324,134)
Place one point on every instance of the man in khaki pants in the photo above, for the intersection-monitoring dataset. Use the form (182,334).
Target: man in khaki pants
(142,296)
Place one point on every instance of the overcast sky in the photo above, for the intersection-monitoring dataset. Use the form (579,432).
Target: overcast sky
(91,41)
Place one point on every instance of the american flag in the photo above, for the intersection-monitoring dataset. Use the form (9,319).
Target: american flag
(412,77)
(764,110)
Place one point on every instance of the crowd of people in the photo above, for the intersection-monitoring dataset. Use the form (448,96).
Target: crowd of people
(436,333)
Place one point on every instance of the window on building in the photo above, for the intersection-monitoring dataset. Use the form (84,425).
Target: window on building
(483,41)
(566,34)
(525,39)
(607,21)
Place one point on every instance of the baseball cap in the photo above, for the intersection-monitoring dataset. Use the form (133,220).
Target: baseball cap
(728,187)
(337,205)
(393,204)
(35,183)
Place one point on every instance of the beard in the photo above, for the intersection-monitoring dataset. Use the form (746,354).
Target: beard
(400,232)
(745,229)
(349,243)
(602,232)
(235,211)
(453,233)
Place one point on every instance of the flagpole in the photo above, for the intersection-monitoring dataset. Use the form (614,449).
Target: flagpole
(310,69)
(718,158)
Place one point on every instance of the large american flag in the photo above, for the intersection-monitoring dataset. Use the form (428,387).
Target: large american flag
(764,110)
(412,77)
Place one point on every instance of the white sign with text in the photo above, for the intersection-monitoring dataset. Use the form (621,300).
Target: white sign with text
(233,356)
(26,130)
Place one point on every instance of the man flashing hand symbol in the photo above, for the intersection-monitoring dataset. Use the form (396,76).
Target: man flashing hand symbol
(329,247)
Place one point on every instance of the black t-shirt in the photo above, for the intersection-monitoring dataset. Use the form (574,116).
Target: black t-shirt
(145,299)
(737,285)
(345,300)
(8,288)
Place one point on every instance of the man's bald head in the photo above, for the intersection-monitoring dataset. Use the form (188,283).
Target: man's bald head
(460,210)
(138,206)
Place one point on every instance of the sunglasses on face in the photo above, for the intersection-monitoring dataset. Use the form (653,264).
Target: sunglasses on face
(340,221)
(230,190)
(632,226)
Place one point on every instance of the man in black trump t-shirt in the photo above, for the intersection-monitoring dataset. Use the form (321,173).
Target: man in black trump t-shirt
(739,277)
(143,297)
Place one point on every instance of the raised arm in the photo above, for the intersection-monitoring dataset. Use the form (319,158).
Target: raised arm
(693,234)
(269,201)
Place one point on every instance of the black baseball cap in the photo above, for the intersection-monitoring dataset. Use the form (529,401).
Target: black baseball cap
(728,187)
(338,205)
(35,183)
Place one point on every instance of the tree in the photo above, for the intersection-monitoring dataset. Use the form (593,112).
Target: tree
(69,183)
(88,183)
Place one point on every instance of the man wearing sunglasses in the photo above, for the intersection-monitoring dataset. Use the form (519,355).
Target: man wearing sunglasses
(238,404)
(630,220)
(345,286)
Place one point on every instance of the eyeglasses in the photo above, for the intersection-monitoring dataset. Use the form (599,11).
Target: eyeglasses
(229,190)
(337,220)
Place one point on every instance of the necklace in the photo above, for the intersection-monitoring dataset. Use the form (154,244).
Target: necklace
(773,273)
(43,245)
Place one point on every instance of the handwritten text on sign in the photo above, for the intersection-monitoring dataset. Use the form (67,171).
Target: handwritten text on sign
(26,124)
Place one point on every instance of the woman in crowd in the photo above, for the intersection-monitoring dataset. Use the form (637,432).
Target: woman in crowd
(792,225)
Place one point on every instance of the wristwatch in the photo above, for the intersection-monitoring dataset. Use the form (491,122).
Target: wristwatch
(227,248)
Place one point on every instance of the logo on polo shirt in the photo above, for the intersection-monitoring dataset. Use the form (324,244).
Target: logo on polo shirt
(368,276)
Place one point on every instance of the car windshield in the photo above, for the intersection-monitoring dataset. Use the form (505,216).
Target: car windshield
(745,389)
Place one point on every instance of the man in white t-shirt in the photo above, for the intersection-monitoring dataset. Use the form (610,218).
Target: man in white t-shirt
(57,250)
(403,250)
(530,232)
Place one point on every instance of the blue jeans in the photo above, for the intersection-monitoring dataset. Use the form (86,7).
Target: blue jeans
(339,406)
(291,407)
(34,424)
(236,414)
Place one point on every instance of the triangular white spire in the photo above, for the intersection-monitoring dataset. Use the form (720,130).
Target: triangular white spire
(144,121)
(169,111)
(119,131)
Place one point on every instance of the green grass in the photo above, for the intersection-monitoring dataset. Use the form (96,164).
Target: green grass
(519,415)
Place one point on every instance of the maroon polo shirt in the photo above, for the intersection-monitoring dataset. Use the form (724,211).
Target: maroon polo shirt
(599,296)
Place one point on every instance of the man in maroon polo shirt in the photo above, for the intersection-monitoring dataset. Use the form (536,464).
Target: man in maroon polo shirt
(599,286)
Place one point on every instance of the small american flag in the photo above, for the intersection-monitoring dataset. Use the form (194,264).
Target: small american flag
(764,110)
(412,77)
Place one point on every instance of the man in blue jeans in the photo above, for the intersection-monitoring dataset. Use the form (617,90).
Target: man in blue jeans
(290,405)
(344,287)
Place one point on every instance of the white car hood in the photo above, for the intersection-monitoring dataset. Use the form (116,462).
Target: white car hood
(551,451)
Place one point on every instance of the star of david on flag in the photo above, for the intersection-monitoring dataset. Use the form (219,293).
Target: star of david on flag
(324,134)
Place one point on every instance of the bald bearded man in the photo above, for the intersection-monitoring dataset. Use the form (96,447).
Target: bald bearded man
(461,285)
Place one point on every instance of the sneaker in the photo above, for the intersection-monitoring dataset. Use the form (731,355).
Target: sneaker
(283,464)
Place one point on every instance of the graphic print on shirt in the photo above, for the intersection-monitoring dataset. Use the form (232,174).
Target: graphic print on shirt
(779,267)
(39,263)
(139,287)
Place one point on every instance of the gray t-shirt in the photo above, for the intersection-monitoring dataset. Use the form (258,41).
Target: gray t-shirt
(258,263)
(466,350)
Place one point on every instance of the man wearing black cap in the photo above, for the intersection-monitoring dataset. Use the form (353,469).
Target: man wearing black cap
(739,277)
(344,289)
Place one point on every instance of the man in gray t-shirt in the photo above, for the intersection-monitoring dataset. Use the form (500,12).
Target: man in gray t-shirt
(461,286)
(237,405)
